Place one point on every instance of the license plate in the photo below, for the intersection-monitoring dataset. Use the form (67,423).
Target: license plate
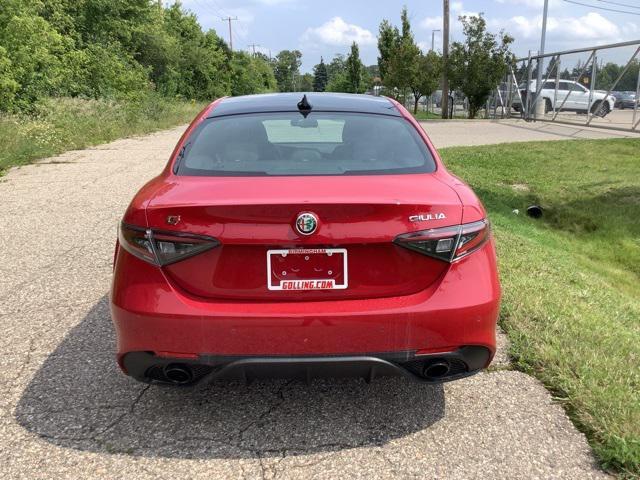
(307,269)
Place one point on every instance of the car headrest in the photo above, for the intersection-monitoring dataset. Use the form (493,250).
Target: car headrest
(356,130)
(253,130)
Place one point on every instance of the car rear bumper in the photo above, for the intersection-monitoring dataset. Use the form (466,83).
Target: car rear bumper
(429,368)
(151,315)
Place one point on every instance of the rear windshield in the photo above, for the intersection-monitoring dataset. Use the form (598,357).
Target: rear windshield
(323,143)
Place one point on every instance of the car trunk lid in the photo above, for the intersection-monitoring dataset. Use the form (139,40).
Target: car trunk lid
(254,218)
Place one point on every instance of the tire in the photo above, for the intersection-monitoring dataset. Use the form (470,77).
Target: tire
(600,109)
(547,105)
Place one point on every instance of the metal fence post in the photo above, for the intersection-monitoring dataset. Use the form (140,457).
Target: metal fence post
(522,101)
(509,92)
(539,87)
(529,72)
(594,68)
(555,93)
(635,107)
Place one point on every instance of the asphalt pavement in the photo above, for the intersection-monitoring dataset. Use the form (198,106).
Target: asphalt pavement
(67,412)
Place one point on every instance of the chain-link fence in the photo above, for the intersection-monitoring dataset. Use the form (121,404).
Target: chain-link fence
(595,86)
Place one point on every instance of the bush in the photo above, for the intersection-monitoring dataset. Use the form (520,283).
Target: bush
(115,49)
(56,125)
(32,52)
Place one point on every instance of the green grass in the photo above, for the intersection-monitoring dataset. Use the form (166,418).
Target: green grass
(66,124)
(436,116)
(427,116)
(571,280)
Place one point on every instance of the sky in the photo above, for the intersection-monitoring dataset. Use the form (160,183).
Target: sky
(327,27)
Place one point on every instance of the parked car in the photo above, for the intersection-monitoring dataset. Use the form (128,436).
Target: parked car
(576,95)
(292,237)
(625,99)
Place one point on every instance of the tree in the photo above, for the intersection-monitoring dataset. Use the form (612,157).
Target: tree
(286,69)
(338,83)
(337,66)
(306,83)
(478,64)
(117,48)
(354,69)
(200,68)
(320,77)
(608,73)
(425,78)
(251,74)
(388,39)
(8,85)
(399,55)
(337,74)
(33,50)
(348,74)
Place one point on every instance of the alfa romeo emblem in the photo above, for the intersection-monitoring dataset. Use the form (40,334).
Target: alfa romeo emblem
(306,223)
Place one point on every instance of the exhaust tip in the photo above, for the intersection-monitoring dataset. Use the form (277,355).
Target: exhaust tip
(178,373)
(436,369)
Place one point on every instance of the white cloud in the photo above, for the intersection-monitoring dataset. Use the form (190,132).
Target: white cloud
(456,7)
(631,30)
(337,32)
(525,27)
(456,10)
(591,27)
(271,3)
(431,23)
(536,4)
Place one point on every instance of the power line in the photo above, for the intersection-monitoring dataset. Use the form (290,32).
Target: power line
(240,30)
(221,11)
(204,8)
(602,8)
(619,4)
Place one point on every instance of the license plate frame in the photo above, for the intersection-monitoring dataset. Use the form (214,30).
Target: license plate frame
(311,283)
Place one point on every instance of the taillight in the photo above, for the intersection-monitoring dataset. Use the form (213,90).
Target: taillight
(160,247)
(448,243)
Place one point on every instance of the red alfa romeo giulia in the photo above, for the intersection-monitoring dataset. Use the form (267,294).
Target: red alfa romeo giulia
(304,236)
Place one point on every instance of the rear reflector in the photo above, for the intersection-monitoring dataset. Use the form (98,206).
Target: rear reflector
(448,243)
(162,247)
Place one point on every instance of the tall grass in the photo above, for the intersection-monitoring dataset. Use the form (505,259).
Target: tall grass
(61,124)
(571,294)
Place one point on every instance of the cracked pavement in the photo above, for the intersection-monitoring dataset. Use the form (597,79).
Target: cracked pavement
(67,412)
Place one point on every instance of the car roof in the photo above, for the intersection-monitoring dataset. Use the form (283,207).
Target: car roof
(320,102)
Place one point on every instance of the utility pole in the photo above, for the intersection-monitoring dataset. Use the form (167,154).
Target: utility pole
(230,19)
(445,59)
(253,46)
(541,51)
(433,38)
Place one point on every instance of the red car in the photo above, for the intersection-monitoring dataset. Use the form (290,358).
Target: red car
(304,237)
